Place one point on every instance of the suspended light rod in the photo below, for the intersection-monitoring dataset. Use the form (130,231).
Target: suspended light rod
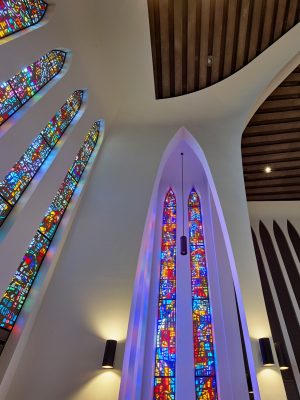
(183,239)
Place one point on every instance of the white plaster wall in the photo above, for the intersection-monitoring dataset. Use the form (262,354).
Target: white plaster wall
(275,210)
(89,297)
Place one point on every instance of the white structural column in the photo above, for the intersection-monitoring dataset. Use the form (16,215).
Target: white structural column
(291,246)
(232,207)
(284,271)
(280,316)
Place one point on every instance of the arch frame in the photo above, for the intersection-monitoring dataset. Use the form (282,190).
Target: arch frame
(134,357)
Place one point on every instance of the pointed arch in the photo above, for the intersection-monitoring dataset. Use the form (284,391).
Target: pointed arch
(15,92)
(204,355)
(165,351)
(137,375)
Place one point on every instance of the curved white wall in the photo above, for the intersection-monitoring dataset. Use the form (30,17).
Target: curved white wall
(138,381)
(89,297)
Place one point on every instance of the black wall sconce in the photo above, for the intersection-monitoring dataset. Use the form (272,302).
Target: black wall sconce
(266,352)
(109,354)
(282,359)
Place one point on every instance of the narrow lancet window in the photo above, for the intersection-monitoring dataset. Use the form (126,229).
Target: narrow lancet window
(15,92)
(204,357)
(20,285)
(24,170)
(165,353)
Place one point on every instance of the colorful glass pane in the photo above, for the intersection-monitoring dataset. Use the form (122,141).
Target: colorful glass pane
(36,9)
(84,153)
(164,388)
(13,17)
(4,210)
(57,207)
(24,170)
(204,357)
(61,120)
(15,295)
(16,15)
(165,353)
(21,87)
(93,133)
(20,285)
(9,103)
(206,388)
(33,77)
(19,177)
(56,58)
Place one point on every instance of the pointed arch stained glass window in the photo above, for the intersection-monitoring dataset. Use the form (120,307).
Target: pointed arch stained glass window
(22,173)
(20,285)
(15,92)
(204,357)
(165,353)
(16,15)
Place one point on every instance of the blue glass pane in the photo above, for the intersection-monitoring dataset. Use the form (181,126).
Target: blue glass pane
(9,103)
(62,119)
(20,285)
(58,206)
(165,353)
(22,172)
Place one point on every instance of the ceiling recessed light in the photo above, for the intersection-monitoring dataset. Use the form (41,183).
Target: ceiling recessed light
(268,170)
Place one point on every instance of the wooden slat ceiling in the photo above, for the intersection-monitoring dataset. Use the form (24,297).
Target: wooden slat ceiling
(272,138)
(196,43)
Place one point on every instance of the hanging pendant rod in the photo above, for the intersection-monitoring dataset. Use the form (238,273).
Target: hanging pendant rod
(183,239)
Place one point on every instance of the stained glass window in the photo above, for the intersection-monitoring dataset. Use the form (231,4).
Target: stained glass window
(17,291)
(25,84)
(61,120)
(16,15)
(18,288)
(57,208)
(165,352)
(4,210)
(19,177)
(83,155)
(204,357)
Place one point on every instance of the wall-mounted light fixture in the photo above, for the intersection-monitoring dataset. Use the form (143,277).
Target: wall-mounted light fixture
(266,352)
(282,359)
(109,354)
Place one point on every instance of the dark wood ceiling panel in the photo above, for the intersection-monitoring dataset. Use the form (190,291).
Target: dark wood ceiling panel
(272,138)
(196,43)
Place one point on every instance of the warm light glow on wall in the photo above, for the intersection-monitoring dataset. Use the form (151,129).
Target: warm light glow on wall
(101,386)
(259,332)
(269,375)
(113,327)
